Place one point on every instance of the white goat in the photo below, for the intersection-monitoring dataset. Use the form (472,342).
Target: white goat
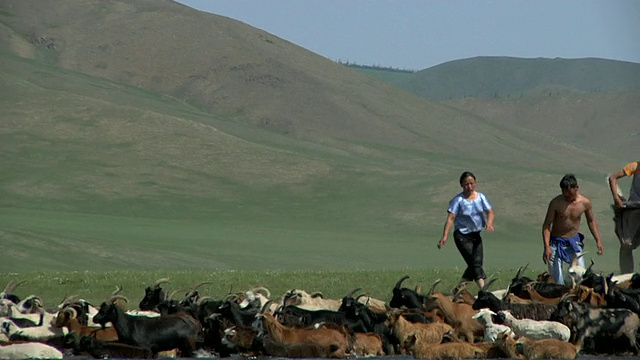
(29,350)
(535,329)
(258,294)
(10,310)
(576,270)
(491,329)
(35,333)
(304,300)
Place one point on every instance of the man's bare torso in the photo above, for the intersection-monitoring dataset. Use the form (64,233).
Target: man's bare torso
(566,216)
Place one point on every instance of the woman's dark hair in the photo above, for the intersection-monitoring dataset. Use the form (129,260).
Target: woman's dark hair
(568,181)
(465,175)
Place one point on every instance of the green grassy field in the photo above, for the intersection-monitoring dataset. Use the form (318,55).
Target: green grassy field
(258,158)
(95,287)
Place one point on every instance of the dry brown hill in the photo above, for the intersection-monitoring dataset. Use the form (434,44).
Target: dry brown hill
(226,67)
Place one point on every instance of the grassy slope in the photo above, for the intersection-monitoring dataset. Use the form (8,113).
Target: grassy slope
(100,173)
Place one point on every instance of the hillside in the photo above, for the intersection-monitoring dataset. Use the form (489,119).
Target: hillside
(142,133)
(505,77)
(589,103)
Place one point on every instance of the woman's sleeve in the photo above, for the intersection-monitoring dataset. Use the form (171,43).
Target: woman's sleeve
(454,206)
(486,205)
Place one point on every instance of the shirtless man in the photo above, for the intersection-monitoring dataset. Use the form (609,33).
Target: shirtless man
(562,241)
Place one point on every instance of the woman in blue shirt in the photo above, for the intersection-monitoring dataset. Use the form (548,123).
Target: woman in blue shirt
(467,213)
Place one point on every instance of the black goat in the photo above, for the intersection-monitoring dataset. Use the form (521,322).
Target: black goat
(406,297)
(535,310)
(161,333)
(372,321)
(547,290)
(153,295)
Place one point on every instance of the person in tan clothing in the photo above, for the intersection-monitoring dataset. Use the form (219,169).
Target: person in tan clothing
(627,214)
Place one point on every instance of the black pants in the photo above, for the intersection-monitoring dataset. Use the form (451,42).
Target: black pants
(470,247)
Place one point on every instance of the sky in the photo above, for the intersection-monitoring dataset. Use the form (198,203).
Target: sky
(418,34)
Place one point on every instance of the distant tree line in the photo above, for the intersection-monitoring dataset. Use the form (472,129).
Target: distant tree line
(373,67)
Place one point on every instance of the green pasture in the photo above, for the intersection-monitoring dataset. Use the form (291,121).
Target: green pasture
(95,287)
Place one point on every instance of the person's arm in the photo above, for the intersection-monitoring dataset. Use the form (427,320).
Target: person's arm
(490,217)
(613,186)
(447,228)
(546,233)
(593,226)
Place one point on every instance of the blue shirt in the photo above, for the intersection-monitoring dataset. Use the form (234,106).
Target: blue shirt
(469,213)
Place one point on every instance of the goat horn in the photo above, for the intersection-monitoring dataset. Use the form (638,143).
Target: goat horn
(169,296)
(67,300)
(37,298)
(231,297)
(520,270)
(11,287)
(488,284)
(433,287)
(72,312)
(200,284)
(361,295)
(266,291)
(202,299)
(265,306)
(400,281)
(353,292)
(113,298)
(117,290)
(161,281)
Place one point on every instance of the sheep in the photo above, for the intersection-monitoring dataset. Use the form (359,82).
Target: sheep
(535,329)
(491,330)
(29,350)
(451,350)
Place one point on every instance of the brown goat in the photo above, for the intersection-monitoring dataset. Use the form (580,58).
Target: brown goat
(450,350)
(459,316)
(324,337)
(535,295)
(546,349)
(67,318)
(432,333)
(587,295)
(296,351)
(545,277)
(508,345)
(462,295)
(367,344)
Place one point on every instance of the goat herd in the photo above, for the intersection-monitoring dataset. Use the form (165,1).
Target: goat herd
(531,319)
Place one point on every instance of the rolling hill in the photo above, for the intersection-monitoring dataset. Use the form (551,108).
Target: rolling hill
(145,134)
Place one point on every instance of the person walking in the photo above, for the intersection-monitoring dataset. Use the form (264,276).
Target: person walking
(466,213)
(560,229)
(627,214)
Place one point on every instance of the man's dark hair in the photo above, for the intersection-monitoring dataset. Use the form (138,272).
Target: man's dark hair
(568,181)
